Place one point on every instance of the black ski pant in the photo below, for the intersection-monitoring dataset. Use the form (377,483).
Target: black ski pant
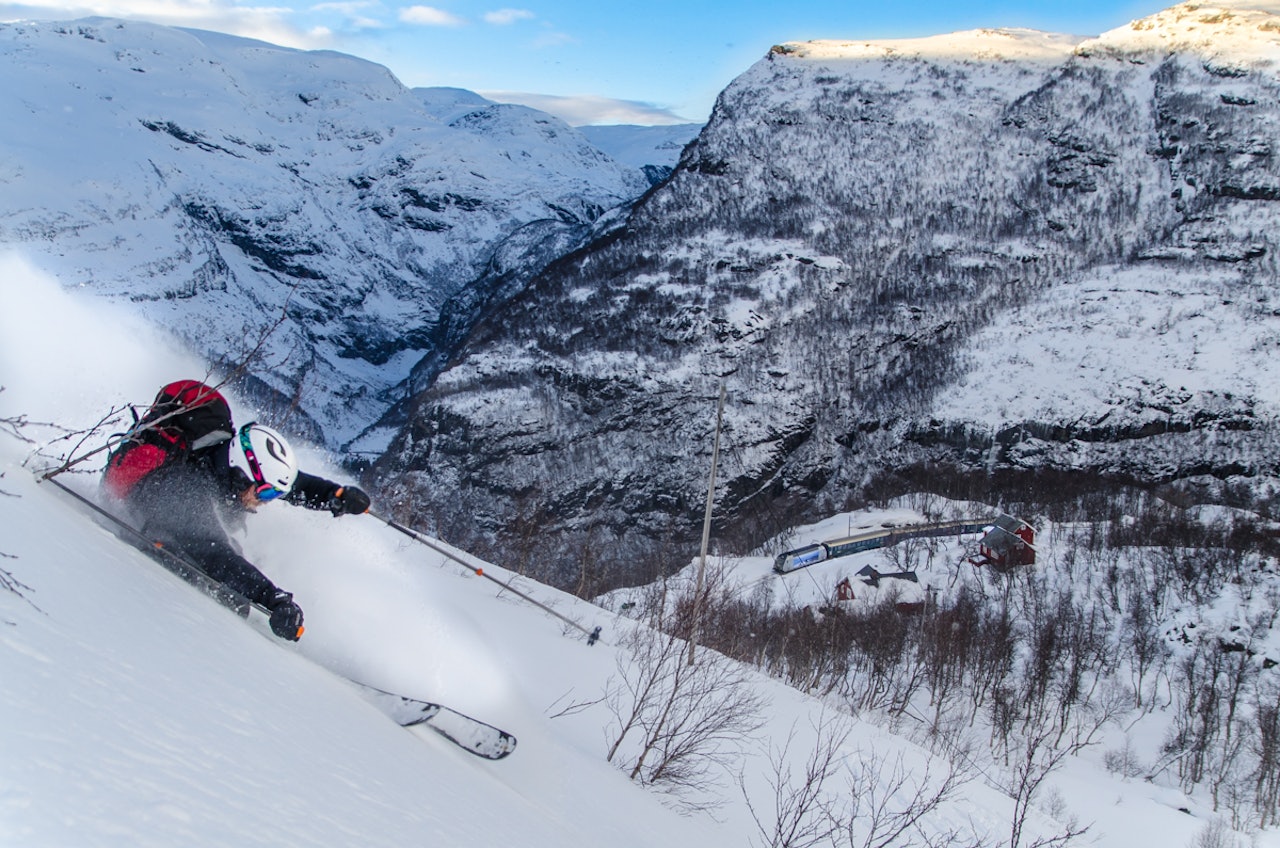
(220,561)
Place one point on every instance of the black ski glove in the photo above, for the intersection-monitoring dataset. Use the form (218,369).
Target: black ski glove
(286,616)
(348,500)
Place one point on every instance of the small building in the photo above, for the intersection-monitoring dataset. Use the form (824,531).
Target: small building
(1009,542)
(872,577)
(907,593)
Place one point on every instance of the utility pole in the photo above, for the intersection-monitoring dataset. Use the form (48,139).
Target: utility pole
(706,529)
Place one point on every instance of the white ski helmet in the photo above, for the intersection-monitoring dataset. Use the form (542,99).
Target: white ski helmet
(265,458)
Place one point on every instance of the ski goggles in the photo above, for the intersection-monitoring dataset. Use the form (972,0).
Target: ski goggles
(267,492)
(263,490)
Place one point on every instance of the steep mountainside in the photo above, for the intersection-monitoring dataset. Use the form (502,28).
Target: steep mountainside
(226,186)
(992,250)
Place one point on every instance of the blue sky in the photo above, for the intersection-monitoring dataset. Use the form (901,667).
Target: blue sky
(601,61)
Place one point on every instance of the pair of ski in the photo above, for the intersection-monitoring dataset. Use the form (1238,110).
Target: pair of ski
(470,734)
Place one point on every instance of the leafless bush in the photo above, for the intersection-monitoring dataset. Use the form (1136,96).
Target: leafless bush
(883,663)
(1124,761)
(678,722)
(9,583)
(1038,752)
(800,802)
(1265,748)
(21,427)
(862,799)
(1215,834)
(888,805)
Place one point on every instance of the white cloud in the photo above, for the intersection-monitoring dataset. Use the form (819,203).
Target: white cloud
(503,17)
(267,23)
(587,109)
(352,15)
(343,8)
(430,16)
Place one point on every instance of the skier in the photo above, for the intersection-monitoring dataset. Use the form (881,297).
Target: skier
(186,473)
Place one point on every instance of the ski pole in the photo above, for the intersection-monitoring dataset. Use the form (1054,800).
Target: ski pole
(180,564)
(592,635)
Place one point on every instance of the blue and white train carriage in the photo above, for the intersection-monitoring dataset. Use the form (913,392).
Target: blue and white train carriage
(818,552)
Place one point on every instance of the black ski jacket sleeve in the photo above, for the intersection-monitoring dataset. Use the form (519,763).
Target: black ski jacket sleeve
(311,491)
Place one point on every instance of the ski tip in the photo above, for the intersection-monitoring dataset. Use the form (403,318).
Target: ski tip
(505,746)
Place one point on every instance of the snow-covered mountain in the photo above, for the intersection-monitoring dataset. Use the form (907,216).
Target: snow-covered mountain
(136,712)
(651,150)
(955,258)
(304,207)
(988,252)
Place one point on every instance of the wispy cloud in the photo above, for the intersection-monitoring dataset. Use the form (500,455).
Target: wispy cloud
(352,9)
(430,16)
(352,15)
(583,110)
(554,38)
(505,17)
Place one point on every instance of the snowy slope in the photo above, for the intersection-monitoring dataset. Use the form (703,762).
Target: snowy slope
(137,713)
(1150,345)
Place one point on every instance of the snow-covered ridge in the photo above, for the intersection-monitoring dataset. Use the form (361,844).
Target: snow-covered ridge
(1244,31)
(1240,32)
(224,185)
(1022,45)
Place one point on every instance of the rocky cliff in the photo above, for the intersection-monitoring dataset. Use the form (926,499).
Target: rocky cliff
(985,252)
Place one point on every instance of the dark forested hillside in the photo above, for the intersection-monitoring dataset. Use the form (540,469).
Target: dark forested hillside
(960,259)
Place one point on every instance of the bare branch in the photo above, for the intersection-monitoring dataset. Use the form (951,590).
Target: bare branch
(800,816)
(687,720)
(889,806)
(571,708)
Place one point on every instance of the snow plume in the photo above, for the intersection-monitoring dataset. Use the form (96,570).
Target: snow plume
(69,359)
(65,358)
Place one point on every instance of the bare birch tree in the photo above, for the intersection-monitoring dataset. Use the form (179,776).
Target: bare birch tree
(678,723)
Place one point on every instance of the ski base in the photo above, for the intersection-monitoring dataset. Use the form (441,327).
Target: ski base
(469,734)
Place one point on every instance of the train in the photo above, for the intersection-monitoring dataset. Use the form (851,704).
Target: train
(790,561)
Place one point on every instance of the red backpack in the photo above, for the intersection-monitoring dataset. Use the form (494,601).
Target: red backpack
(185,416)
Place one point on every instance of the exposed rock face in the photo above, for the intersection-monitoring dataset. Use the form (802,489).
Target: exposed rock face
(993,250)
